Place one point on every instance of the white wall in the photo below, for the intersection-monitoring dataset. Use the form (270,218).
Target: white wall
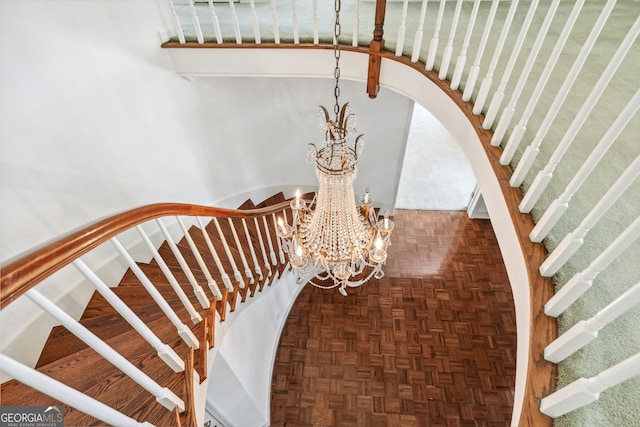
(93,120)
(238,389)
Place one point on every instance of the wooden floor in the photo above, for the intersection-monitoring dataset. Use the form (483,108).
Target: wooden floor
(433,343)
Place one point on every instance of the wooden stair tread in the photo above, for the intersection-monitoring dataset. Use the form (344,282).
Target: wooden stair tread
(132,292)
(107,382)
(61,342)
(247,205)
(273,200)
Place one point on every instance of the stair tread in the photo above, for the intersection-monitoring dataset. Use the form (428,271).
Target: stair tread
(273,200)
(247,205)
(106,381)
(62,342)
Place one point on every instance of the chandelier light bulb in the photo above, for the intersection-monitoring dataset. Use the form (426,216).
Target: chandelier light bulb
(378,243)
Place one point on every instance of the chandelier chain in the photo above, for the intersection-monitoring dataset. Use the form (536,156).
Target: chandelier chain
(332,242)
(336,52)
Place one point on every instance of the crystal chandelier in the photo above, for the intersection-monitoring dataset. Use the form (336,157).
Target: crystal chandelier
(332,242)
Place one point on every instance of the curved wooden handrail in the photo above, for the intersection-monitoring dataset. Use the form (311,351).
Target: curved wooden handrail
(22,273)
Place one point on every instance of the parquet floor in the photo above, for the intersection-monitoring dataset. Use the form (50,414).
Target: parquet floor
(430,344)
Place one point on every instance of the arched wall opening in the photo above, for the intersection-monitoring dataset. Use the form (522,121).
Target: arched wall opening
(412,84)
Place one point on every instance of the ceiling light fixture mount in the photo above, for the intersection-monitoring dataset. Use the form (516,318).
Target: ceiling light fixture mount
(332,242)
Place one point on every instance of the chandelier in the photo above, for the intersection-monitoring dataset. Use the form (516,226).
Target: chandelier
(332,242)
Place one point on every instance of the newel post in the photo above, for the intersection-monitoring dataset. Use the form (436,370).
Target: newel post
(375,47)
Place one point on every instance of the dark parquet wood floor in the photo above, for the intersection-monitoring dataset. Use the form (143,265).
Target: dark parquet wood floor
(432,343)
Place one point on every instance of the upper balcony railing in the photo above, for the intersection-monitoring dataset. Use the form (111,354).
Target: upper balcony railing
(556,87)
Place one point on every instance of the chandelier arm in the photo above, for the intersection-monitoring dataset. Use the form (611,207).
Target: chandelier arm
(359,138)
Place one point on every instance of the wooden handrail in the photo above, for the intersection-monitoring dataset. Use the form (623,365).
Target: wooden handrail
(22,273)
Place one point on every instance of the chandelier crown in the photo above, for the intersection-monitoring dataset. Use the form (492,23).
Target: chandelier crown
(336,156)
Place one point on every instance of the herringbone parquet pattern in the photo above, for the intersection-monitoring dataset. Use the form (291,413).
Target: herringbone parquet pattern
(431,344)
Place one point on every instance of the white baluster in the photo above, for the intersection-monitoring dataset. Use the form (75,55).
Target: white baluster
(195,316)
(164,396)
(572,241)
(585,331)
(356,23)
(225,277)
(225,245)
(560,205)
(183,331)
(488,79)
(214,21)
(165,352)
(265,257)
(433,46)
(65,394)
(177,22)
(498,95)
(448,49)
(581,282)
(509,111)
(203,266)
(274,259)
(475,68)
(234,19)
(286,221)
(462,58)
(294,21)
(280,251)
(533,149)
(584,391)
(316,37)
(518,133)
(256,24)
(254,257)
(417,41)
(197,289)
(196,22)
(247,271)
(543,177)
(274,18)
(402,29)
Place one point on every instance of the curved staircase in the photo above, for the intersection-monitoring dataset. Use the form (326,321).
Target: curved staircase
(68,359)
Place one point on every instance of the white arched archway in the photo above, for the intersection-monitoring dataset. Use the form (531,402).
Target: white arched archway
(411,83)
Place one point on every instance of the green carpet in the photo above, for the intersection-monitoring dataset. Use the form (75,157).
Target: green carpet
(619,340)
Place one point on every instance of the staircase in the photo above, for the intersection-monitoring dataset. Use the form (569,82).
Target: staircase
(236,241)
